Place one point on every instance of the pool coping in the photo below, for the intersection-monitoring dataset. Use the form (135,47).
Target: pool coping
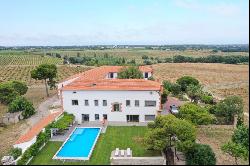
(55,157)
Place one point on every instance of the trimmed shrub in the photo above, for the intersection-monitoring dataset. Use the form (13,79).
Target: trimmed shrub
(16,152)
(200,155)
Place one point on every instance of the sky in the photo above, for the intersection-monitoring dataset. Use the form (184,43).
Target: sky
(117,22)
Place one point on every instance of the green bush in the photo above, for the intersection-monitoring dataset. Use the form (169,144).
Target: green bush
(167,85)
(16,152)
(201,155)
(164,96)
(241,136)
(23,105)
(196,114)
(207,99)
(175,89)
(19,87)
(42,138)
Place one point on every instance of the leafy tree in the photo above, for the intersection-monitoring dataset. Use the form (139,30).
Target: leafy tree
(131,72)
(19,87)
(176,89)
(185,81)
(194,92)
(164,127)
(7,93)
(195,114)
(23,105)
(229,107)
(235,150)
(200,155)
(46,72)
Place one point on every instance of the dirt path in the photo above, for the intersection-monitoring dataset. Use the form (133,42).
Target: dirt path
(42,111)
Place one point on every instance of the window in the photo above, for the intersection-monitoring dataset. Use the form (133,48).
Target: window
(137,103)
(127,103)
(86,102)
(96,102)
(74,102)
(111,75)
(116,108)
(96,116)
(104,103)
(146,75)
(149,103)
(149,117)
(105,116)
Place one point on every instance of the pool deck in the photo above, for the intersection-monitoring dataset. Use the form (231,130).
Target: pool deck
(63,137)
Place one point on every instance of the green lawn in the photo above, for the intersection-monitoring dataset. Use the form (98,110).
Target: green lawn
(115,137)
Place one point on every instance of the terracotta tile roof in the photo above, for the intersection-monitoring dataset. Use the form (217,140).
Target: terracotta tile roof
(101,72)
(114,84)
(94,79)
(38,127)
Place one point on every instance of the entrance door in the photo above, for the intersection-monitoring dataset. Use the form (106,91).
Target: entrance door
(85,118)
(132,118)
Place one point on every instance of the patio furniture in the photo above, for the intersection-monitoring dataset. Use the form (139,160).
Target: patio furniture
(128,152)
(116,152)
(122,153)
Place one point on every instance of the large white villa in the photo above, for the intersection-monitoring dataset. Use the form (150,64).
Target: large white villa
(97,95)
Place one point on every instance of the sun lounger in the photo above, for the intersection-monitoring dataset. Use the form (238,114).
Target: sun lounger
(116,152)
(122,153)
(128,152)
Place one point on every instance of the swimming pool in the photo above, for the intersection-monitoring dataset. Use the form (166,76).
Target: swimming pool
(79,145)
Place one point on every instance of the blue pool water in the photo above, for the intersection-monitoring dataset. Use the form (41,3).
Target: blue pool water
(80,143)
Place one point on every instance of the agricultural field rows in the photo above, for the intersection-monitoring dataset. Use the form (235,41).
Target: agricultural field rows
(22,73)
(27,59)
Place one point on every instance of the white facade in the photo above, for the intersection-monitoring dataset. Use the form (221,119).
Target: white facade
(111,97)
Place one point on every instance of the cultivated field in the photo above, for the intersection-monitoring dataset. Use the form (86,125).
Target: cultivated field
(220,79)
(22,73)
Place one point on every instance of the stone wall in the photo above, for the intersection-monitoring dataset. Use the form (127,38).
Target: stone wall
(138,161)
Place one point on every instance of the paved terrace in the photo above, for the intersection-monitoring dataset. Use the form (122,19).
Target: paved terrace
(63,137)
